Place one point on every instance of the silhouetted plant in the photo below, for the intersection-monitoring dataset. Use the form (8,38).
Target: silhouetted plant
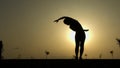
(100,56)
(1,49)
(47,53)
(111,52)
(31,57)
(73,56)
(118,40)
(19,56)
(86,56)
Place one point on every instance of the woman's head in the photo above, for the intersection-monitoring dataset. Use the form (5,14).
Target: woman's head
(67,21)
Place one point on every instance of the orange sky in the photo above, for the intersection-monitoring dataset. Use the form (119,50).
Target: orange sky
(27,28)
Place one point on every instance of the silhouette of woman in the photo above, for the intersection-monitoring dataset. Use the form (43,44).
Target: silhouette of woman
(79,36)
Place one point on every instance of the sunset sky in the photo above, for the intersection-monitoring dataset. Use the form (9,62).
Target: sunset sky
(27,28)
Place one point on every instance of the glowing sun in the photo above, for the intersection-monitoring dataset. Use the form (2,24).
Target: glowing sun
(71,36)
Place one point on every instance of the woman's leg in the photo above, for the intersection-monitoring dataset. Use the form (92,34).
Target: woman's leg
(76,49)
(81,49)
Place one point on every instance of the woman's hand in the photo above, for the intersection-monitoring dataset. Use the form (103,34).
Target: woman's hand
(56,21)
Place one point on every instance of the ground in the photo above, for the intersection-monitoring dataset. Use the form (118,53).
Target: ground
(55,63)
